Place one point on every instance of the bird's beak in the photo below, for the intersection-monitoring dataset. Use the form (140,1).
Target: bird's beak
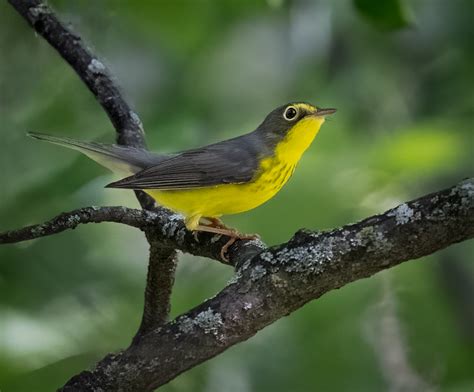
(323,112)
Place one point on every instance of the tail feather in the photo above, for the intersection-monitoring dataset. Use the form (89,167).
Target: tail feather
(119,159)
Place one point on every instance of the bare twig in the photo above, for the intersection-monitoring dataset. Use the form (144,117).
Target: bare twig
(161,226)
(280,280)
(72,219)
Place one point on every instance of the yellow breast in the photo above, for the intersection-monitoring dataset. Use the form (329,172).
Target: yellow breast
(228,199)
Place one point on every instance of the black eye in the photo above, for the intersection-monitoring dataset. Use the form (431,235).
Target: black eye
(290,113)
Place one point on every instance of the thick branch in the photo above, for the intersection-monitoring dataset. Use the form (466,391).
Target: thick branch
(280,280)
(163,228)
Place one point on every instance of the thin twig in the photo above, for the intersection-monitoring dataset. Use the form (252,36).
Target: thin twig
(161,226)
(70,220)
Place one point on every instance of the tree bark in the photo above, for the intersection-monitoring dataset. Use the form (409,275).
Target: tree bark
(280,280)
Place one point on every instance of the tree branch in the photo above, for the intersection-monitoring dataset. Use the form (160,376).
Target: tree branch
(97,78)
(70,220)
(162,227)
(161,267)
(90,69)
(280,280)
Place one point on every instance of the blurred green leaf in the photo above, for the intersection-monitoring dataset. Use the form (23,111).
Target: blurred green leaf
(419,151)
(385,15)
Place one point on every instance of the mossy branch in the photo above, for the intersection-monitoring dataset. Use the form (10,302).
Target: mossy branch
(280,280)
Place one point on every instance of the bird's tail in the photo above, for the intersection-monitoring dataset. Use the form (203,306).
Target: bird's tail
(119,159)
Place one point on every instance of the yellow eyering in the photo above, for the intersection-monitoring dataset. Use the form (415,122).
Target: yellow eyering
(229,199)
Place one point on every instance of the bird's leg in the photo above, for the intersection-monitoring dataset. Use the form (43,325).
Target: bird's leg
(238,236)
(233,235)
(191,223)
(215,222)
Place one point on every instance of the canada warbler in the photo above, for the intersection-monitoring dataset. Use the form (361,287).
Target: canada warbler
(224,178)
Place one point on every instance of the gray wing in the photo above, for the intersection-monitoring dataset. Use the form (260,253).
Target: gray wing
(232,161)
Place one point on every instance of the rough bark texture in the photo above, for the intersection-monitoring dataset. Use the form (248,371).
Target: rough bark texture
(159,284)
(269,283)
(162,227)
(281,279)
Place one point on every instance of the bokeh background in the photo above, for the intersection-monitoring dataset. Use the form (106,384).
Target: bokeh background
(400,74)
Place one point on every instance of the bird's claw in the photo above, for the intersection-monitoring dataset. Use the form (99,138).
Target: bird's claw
(232,240)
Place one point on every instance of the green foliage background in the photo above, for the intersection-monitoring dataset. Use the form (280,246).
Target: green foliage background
(201,71)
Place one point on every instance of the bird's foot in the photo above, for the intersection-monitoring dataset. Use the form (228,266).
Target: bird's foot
(233,235)
(232,239)
(216,222)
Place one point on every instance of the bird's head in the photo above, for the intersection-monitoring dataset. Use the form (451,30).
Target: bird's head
(298,117)
(290,129)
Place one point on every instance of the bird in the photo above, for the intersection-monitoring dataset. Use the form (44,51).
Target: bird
(228,177)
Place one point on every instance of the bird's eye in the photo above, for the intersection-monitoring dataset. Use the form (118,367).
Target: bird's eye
(290,113)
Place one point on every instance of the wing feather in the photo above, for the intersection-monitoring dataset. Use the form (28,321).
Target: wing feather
(232,161)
